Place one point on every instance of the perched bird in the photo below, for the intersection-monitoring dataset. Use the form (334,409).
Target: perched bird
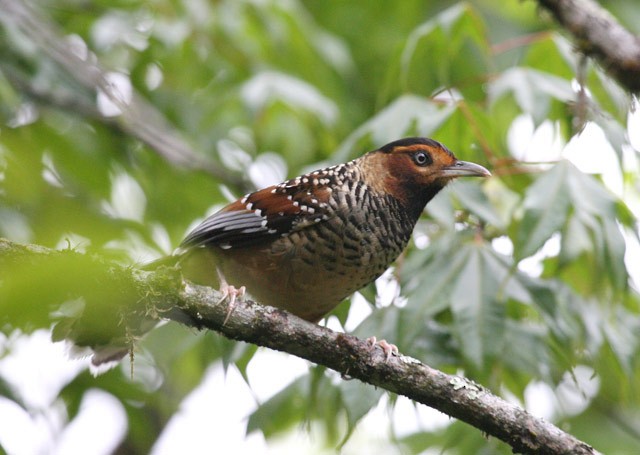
(306,244)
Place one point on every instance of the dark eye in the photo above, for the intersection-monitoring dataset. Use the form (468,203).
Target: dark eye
(422,158)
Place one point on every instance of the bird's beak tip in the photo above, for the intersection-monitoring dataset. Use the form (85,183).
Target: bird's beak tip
(466,169)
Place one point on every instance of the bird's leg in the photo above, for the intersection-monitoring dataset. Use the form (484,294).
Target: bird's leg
(388,348)
(229,292)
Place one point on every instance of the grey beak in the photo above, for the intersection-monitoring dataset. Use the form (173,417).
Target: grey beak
(465,169)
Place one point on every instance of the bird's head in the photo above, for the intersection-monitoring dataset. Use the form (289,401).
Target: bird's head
(415,169)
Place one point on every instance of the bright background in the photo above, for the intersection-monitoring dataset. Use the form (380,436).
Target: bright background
(527,282)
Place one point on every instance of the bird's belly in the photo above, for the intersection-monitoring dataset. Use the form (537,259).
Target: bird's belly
(308,273)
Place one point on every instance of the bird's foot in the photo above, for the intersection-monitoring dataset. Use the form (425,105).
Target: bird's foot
(388,348)
(229,292)
(233,294)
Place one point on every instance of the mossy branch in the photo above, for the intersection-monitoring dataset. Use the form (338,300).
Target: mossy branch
(136,296)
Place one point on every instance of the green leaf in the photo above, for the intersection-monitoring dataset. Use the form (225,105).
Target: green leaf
(472,197)
(525,354)
(445,38)
(503,200)
(621,332)
(533,90)
(613,254)
(553,55)
(471,280)
(453,439)
(546,204)
(442,209)
(358,399)
(407,114)
(281,411)
(478,316)
(576,240)
(593,233)
(426,277)
(299,79)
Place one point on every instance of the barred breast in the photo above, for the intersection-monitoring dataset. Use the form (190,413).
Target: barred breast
(310,271)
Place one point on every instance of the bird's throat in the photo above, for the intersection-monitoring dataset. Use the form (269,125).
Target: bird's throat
(415,201)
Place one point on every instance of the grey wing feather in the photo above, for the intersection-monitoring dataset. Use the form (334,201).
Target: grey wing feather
(228,229)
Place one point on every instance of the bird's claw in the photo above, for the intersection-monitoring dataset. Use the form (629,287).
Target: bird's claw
(388,348)
(233,294)
(229,292)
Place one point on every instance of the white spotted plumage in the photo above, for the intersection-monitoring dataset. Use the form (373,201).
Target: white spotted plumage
(292,205)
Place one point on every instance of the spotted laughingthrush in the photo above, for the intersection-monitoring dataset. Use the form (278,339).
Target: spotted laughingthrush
(306,244)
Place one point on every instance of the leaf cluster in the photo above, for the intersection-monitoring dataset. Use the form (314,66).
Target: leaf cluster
(515,281)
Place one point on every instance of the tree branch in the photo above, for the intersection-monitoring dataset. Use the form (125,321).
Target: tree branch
(600,35)
(164,293)
(138,118)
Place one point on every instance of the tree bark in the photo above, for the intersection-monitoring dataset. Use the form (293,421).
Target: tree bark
(163,293)
(598,34)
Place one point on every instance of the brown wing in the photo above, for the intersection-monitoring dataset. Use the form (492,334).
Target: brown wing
(267,214)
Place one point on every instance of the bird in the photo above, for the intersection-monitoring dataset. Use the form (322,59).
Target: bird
(308,243)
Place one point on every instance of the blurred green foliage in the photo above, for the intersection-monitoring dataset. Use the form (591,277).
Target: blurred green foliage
(319,82)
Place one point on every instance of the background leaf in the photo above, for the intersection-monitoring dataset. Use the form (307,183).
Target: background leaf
(519,282)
